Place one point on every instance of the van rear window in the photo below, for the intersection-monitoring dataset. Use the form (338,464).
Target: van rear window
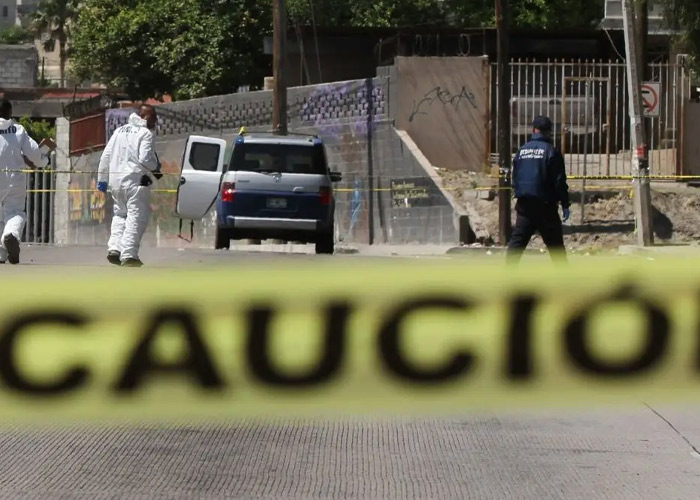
(251,157)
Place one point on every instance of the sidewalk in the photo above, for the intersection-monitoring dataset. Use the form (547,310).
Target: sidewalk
(677,250)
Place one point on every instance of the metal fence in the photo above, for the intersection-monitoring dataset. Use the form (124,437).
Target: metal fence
(41,186)
(87,133)
(588,103)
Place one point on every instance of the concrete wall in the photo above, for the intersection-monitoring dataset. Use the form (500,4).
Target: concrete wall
(444,106)
(18,65)
(386,195)
(9,7)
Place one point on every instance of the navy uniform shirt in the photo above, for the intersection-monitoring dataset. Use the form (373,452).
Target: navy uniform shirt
(539,173)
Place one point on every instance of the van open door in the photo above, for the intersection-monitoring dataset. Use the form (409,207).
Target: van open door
(200,176)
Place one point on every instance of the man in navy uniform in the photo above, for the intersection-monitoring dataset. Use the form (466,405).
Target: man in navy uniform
(539,182)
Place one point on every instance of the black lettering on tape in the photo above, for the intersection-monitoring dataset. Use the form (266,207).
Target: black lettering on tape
(520,339)
(393,356)
(9,370)
(656,334)
(197,362)
(328,367)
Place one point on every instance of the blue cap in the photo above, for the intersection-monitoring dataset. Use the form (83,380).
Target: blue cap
(542,123)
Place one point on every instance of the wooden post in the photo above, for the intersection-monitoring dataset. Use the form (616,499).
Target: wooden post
(279,67)
(504,132)
(640,159)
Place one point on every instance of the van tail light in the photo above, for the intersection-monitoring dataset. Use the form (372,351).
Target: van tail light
(228,192)
(326,195)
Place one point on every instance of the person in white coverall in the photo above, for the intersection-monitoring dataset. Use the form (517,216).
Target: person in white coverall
(15,145)
(129,166)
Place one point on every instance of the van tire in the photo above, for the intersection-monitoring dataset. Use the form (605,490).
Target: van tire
(325,244)
(222,240)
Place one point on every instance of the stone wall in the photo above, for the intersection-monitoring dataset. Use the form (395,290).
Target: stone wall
(18,66)
(386,196)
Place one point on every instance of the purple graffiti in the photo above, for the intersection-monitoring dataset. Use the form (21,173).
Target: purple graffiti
(342,109)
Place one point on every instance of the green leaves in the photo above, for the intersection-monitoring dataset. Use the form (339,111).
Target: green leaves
(52,22)
(38,129)
(684,16)
(15,35)
(193,48)
(542,14)
(188,48)
(461,13)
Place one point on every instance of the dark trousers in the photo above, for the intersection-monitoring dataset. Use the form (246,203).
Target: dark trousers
(534,216)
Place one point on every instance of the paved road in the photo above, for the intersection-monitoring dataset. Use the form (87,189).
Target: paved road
(89,256)
(629,454)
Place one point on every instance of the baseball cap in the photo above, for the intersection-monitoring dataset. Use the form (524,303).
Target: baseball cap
(542,123)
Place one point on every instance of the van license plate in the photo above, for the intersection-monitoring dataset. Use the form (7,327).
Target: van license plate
(276,203)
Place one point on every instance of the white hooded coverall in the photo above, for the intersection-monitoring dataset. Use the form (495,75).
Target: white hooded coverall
(128,156)
(15,142)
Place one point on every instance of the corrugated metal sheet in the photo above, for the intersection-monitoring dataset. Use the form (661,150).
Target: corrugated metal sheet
(87,134)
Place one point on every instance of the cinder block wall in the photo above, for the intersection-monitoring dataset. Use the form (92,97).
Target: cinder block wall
(18,66)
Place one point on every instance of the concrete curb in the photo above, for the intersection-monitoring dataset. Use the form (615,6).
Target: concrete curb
(289,248)
(659,250)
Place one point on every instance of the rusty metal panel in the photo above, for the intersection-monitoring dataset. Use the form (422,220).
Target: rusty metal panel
(444,107)
(87,134)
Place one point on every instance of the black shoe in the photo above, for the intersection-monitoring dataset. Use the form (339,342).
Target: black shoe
(114,257)
(12,246)
(132,263)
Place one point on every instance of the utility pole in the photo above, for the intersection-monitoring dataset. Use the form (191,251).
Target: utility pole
(640,159)
(279,67)
(504,136)
(641,24)
(641,28)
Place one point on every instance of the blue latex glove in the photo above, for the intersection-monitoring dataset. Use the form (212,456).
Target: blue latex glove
(567,214)
(102,187)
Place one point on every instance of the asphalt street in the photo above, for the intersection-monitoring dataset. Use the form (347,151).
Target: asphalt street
(638,452)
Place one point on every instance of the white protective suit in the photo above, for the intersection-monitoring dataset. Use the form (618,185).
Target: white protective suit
(128,156)
(15,142)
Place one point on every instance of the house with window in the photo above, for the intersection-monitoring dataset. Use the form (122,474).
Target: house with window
(16,12)
(658,25)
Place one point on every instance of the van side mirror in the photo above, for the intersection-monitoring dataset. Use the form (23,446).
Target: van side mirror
(336,176)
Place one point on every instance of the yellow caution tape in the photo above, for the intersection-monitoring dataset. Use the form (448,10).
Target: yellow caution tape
(363,338)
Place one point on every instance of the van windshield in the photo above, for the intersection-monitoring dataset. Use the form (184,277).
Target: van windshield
(284,158)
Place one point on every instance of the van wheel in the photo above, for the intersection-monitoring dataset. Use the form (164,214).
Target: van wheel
(222,239)
(325,244)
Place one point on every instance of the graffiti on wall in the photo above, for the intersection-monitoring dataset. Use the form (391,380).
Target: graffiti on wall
(342,110)
(442,97)
(411,192)
(344,115)
(86,205)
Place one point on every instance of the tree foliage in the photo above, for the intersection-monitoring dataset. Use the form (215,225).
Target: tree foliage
(187,48)
(38,129)
(546,14)
(52,22)
(365,13)
(15,35)
(193,48)
(684,17)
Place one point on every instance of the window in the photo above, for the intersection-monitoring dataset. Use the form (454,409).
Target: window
(253,157)
(205,157)
(4,11)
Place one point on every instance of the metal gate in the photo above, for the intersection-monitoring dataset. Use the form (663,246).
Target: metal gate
(41,186)
(588,104)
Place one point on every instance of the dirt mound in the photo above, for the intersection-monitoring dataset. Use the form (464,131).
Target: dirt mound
(608,220)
